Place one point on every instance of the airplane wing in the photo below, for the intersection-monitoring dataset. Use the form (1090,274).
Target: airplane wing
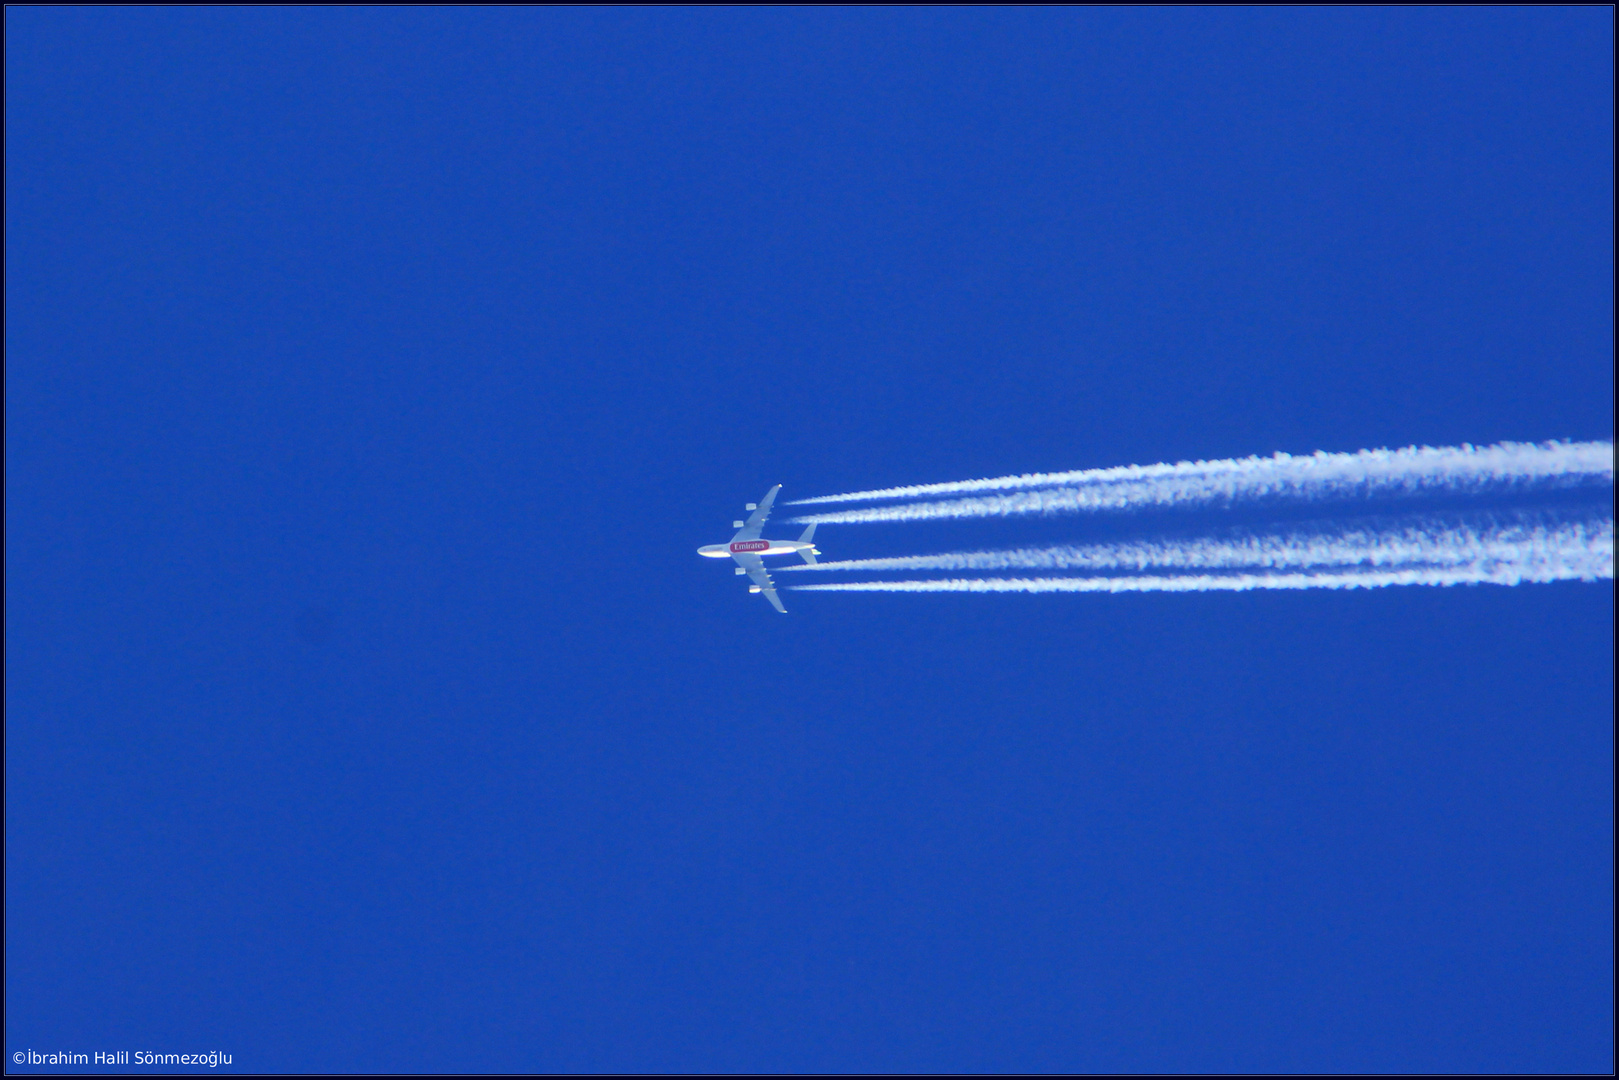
(755,524)
(755,567)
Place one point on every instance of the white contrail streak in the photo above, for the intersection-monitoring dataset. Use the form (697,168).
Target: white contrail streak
(1414,470)
(1511,555)
(1349,579)
(1526,541)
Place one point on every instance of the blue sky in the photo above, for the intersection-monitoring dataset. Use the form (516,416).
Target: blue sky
(373,374)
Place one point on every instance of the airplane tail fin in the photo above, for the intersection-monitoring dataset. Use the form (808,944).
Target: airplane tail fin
(808,554)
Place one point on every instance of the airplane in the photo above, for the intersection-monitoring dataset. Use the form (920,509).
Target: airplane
(746,548)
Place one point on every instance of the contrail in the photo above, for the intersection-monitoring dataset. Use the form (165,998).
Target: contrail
(1348,579)
(1355,559)
(1413,470)
(1523,539)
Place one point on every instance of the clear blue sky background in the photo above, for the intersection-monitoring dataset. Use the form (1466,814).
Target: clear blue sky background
(372,376)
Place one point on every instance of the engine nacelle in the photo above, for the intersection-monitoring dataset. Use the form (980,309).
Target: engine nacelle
(753,588)
(740,571)
(736,524)
(751,506)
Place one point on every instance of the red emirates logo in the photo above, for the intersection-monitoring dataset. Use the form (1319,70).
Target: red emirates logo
(751,545)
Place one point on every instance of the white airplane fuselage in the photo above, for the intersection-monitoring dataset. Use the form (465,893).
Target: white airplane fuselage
(747,545)
(753,547)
